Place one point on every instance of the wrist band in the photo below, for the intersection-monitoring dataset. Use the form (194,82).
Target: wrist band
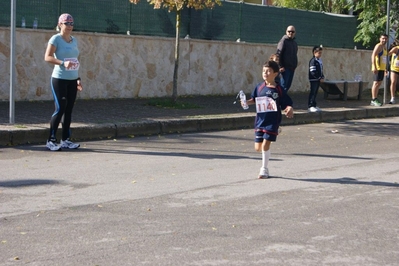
(62,63)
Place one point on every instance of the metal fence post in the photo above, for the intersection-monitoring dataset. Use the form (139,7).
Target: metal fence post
(12,61)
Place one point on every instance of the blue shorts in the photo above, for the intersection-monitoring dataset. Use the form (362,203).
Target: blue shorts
(261,135)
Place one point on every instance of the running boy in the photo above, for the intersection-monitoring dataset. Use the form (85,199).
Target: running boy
(270,99)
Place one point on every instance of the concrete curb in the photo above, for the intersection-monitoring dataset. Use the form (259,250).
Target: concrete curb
(36,134)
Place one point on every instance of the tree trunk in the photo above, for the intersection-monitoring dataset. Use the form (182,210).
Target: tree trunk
(177,45)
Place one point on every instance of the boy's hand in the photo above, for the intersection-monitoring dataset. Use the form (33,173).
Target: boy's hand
(289,112)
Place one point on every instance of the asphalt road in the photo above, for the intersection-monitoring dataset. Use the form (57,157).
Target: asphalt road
(194,199)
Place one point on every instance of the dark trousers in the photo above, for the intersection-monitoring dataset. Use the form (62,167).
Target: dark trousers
(286,79)
(64,92)
(314,88)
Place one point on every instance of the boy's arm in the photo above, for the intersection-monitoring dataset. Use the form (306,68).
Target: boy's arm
(286,101)
(251,101)
(287,104)
(312,69)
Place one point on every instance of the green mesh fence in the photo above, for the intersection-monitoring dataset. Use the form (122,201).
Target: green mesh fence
(232,20)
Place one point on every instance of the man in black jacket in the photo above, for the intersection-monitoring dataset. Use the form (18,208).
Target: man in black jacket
(287,49)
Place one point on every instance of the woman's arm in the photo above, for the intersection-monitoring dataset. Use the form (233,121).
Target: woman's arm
(49,55)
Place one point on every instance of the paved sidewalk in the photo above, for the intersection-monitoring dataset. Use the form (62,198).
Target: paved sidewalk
(113,118)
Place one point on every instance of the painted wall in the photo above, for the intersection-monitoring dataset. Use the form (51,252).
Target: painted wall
(118,66)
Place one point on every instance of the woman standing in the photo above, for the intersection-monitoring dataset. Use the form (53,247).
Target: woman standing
(62,51)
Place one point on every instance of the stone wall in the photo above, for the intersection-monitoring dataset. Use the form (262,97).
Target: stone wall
(117,66)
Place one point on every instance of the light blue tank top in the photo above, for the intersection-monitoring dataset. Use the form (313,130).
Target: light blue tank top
(67,52)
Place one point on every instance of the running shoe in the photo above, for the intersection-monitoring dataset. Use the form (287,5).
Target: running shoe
(392,101)
(375,102)
(264,173)
(67,144)
(52,146)
(313,109)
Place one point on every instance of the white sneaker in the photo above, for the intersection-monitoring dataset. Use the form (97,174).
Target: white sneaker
(313,109)
(52,146)
(392,101)
(67,144)
(263,173)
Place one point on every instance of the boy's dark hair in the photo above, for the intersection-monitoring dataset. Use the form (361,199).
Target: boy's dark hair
(273,65)
(384,35)
(317,48)
(271,58)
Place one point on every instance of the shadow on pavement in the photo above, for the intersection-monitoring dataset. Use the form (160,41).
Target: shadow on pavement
(331,156)
(342,180)
(28,183)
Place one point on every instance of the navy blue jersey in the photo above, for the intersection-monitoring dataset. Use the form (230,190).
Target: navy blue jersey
(269,101)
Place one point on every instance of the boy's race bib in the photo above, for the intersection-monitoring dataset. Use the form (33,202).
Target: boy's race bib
(265,104)
(75,64)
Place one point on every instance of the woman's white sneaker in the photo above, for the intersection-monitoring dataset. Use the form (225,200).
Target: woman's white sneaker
(67,144)
(52,146)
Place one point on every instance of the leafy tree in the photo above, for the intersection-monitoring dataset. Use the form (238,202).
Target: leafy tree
(372,14)
(177,6)
(332,6)
(373,19)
